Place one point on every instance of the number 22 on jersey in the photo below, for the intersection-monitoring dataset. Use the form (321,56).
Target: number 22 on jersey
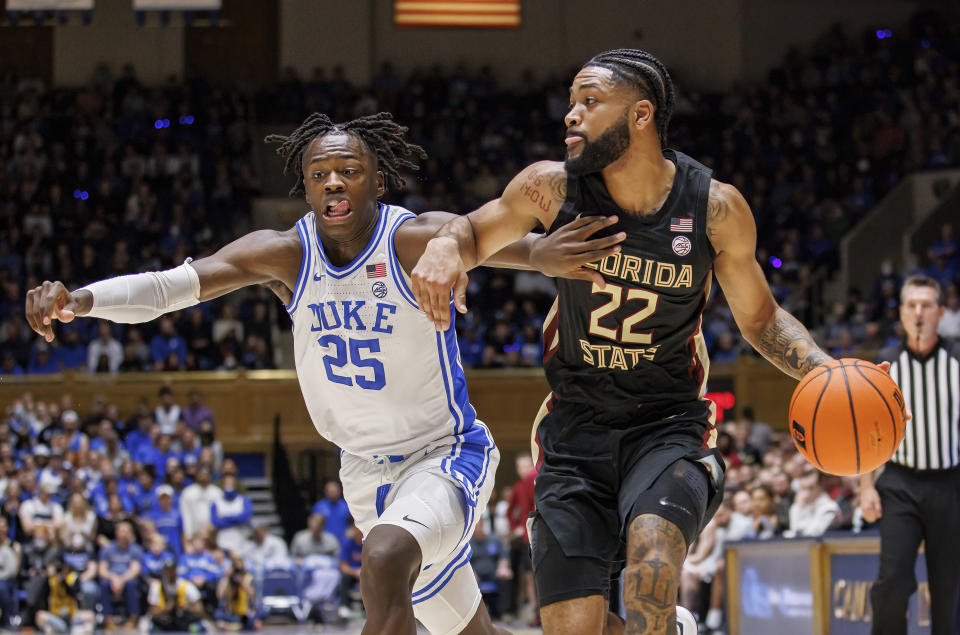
(627,333)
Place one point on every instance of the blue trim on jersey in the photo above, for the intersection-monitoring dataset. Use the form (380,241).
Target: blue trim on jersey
(460,396)
(443,578)
(382,492)
(396,272)
(341,272)
(305,268)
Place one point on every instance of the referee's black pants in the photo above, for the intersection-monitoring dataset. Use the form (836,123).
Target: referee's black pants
(918,506)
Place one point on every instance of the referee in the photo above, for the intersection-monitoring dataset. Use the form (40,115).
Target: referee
(917,498)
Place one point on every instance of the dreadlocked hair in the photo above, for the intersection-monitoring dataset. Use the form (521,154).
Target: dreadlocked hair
(379,132)
(649,75)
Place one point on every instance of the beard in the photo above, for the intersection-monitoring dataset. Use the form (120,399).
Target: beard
(598,154)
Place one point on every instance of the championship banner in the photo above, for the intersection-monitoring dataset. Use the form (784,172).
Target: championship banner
(177,5)
(50,5)
(457,13)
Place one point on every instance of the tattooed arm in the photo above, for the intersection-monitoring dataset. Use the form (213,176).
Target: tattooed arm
(776,334)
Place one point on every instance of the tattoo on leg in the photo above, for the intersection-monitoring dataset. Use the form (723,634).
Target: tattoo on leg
(655,552)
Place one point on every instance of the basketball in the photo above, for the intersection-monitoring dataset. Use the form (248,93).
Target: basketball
(847,416)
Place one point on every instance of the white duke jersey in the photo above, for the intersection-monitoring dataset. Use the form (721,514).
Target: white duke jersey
(377,377)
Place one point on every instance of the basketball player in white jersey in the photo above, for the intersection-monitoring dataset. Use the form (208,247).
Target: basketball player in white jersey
(378,379)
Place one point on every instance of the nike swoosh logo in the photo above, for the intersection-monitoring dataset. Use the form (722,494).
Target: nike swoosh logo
(667,503)
(317,277)
(411,520)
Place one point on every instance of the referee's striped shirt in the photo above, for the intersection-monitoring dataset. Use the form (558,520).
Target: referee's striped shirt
(931,391)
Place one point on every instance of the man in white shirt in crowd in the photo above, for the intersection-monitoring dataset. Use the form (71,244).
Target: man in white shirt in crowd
(167,413)
(42,509)
(813,511)
(106,345)
(196,499)
(264,547)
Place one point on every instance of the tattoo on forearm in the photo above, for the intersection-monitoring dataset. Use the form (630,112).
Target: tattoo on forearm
(789,346)
(655,553)
(717,209)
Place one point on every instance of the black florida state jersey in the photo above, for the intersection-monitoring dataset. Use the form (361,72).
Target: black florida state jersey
(638,340)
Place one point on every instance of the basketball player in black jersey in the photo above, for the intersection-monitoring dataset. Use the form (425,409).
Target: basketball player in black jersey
(627,439)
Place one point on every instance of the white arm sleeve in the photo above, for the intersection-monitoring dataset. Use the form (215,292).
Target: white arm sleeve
(142,297)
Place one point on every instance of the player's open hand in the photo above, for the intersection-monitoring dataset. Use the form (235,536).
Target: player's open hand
(46,303)
(439,270)
(564,253)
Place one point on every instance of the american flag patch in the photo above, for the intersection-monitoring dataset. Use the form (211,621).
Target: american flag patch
(681,225)
(378,270)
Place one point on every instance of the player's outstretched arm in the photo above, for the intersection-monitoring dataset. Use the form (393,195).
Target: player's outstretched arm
(259,257)
(776,334)
(561,254)
(533,197)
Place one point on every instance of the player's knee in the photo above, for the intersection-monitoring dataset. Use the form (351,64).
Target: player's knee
(649,534)
(390,555)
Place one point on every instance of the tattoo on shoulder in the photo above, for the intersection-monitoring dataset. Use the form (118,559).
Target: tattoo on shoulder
(717,208)
(558,184)
(544,187)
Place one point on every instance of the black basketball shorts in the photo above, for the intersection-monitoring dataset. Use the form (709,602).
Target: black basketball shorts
(594,480)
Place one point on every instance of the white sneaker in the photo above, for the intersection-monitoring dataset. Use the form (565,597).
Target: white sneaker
(686,624)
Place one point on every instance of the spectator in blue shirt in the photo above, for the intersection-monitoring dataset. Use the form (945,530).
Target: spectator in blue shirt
(166,519)
(149,455)
(127,484)
(334,509)
(155,556)
(230,515)
(200,567)
(146,498)
(166,343)
(190,447)
(141,435)
(10,365)
(41,361)
(76,440)
(350,550)
(72,353)
(102,491)
(119,569)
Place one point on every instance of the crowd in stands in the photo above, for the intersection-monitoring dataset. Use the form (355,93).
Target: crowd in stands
(139,520)
(117,177)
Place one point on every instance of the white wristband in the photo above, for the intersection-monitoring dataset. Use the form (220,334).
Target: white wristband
(146,296)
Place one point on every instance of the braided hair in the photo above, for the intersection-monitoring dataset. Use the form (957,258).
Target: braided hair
(380,133)
(647,73)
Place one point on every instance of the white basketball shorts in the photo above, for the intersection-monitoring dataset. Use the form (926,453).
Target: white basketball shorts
(437,495)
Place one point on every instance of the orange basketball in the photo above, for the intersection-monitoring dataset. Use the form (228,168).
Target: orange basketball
(847,416)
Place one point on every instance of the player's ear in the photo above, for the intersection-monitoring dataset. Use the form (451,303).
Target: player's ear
(381,183)
(641,114)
